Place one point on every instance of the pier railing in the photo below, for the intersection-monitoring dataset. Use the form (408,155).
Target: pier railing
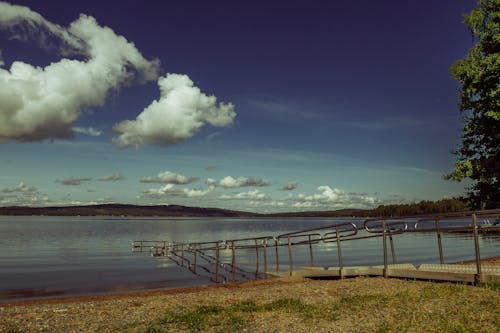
(230,260)
(438,224)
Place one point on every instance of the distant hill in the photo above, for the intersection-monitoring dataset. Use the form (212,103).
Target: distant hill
(123,210)
(418,208)
(163,210)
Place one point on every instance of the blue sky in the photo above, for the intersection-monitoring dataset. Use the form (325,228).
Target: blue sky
(262,106)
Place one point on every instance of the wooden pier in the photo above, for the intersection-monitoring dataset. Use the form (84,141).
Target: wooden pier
(435,272)
(221,260)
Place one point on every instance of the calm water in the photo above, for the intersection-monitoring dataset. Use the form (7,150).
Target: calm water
(67,256)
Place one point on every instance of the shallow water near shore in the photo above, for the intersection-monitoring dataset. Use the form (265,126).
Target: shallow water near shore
(44,257)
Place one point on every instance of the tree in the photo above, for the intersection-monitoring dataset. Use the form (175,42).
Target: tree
(478,154)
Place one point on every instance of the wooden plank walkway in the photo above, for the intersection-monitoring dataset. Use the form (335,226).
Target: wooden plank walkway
(437,272)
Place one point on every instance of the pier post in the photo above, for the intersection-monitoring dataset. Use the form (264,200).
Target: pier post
(216,262)
(233,261)
(195,261)
(257,263)
(311,257)
(339,252)
(440,246)
(478,278)
(182,254)
(384,241)
(290,257)
(393,252)
(264,249)
(277,256)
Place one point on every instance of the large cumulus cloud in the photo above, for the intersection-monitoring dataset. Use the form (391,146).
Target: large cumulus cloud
(24,23)
(44,102)
(179,113)
(38,103)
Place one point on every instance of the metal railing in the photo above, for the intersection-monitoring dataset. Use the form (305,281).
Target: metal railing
(435,223)
(221,262)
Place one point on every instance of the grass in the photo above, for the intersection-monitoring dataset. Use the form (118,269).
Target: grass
(351,305)
(434,307)
(230,318)
(201,317)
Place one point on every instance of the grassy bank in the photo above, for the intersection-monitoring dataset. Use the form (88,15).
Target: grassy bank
(433,308)
(287,305)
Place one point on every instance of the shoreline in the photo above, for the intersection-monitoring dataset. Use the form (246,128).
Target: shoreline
(148,293)
(494,261)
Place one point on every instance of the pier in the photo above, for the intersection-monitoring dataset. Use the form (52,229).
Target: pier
(275,255)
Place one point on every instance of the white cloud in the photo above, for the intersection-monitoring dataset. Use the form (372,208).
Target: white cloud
(327,195)
(112,177)
(273,203)
(307,204)
(25,23)
(290,186)
(250,195)
(21,188)
(168,177)
(156,193)
(98,201)
(7,199)
(170,190)
(195,193)
(231,182)
(44,102)
(12,200)
(88,131)
(334,198)
(72,181)
(22,195)
(179,113)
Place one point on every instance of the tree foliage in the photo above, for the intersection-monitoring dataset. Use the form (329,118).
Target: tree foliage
(421,208)
(478,155)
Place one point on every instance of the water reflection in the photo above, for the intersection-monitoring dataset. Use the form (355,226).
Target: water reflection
(77,255)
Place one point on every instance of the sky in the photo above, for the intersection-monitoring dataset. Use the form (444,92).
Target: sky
(263,106)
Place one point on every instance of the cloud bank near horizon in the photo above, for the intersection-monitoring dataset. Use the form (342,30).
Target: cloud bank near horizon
(334,198)
(170,190)
(22,188)
(169,177)
(231,182)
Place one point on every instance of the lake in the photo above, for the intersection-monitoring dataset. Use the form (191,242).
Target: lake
(44,256)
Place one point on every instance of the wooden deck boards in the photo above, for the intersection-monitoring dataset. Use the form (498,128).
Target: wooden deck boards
(438,272)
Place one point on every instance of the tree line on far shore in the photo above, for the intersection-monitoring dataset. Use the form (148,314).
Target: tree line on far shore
(422,208)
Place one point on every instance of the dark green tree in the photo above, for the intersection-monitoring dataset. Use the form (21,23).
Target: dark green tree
(478,154)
